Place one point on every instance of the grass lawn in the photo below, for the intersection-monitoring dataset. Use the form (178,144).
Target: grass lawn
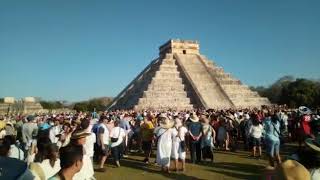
(227,165)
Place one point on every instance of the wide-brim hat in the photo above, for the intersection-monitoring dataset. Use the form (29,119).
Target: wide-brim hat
(194,118)
(304,110)
(313,143)
(230,117)
(9,123)
(79,134)
(291,170)
(166,123)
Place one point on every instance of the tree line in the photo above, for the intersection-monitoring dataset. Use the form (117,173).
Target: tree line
(293,92)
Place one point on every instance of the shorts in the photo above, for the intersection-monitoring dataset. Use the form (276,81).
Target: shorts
(117,152)
(146,145)
(176,152)
(256,141)
(272,147)
(103,152)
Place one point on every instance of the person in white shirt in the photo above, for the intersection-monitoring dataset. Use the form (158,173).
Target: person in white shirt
(15,151)
(102,141)
(178,144)
(117,136)
(79,137)
(90,140)
(54,131)
(47,162)
(255,132)
(164,134)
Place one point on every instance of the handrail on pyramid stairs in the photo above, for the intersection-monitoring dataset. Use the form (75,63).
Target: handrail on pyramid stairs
(203,103)
(124,91)
(215,79)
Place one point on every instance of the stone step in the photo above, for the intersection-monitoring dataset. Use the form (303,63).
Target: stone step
(185,107)
(167,76)
(177,80)
(170,73)
(168,68)
(176,87)
(168,62)
(235,87)
(165,100)
(177,94)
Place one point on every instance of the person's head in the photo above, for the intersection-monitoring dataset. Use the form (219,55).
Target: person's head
(30,118)
(78,137)
(9,139)
(4,149)
(103,119)
(71,158)
(85,123)
(52,153)
(116,123)
(67,127)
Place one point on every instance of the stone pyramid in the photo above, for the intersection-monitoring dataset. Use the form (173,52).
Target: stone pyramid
(181,78)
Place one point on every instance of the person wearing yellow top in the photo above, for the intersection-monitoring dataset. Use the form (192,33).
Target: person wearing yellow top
(147,137)
(2,128)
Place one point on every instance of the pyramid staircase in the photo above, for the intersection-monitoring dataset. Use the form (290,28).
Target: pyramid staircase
(183,79)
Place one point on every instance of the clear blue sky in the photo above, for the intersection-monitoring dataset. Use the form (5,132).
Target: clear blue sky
(75,50)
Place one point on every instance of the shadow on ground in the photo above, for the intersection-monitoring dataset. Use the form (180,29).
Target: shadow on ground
(132,163)
(238,170)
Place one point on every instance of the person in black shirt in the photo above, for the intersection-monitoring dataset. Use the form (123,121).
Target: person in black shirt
(195,132)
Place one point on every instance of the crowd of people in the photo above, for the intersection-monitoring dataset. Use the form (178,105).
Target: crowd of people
(66,145)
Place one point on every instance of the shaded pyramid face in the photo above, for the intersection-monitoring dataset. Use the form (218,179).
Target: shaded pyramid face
(183,79)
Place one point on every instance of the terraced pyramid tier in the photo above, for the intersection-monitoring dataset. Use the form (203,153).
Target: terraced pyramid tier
(181,78)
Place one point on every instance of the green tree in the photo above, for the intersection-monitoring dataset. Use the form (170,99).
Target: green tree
(301,92)
(51,104)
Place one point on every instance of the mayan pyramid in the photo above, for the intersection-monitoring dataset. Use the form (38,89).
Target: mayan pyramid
(181,78)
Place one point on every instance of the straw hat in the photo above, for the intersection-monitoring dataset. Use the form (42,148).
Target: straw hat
(230,116)
(79,134)
(194,118)
(165,122)
(314,143)
(304,110)
(292,170)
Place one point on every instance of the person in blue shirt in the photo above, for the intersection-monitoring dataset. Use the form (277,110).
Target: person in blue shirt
(272,138)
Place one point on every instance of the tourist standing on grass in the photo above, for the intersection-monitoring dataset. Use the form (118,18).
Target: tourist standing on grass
(255,132)
(79,137)
(304,130)
(272,138)
(195,132)
(222,136)
(117,136)
(47,163)
(71,162)
(102,142)
(164,134)
(208,139)
(147,129)
(29,131)
(90,139)
(124,124)
(54,131)
(15,151)
(12,168)
(179,144)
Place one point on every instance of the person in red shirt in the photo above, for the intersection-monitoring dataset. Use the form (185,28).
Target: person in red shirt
(304,129)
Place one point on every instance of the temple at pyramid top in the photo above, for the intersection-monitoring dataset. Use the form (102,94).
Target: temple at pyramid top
(182,78)
(179,47)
